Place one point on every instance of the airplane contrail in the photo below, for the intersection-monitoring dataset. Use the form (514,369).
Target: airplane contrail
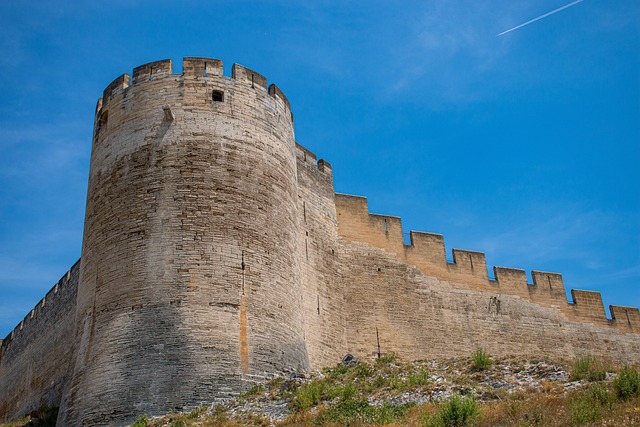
(541,16)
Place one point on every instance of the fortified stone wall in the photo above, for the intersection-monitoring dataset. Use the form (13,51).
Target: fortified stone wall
(34,357)
(190,282)
(418,316)
(217,254)
(324,311)
(469,268)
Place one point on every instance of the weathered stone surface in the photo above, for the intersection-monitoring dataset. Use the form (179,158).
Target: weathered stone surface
(217,254)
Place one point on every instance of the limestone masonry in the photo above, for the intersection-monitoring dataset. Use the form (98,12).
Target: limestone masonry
(216,254)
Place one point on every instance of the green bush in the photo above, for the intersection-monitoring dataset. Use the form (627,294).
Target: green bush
(457,411)
(386,359)
(587,368)
(602,396)
(418,379)
(309,395)
(591,405)
(344,392)
(481,360)
(143,421)
(352,412)
(363,370)
(627,384)
(582,411)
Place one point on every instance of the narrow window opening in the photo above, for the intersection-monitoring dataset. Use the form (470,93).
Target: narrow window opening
(102,121)
(205,69)
(471,261)
(304,211)
(549,281)
(306,248)
(253,80)
(386,226)
(150,73)
(217,96)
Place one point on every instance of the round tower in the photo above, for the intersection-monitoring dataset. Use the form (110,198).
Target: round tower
(190,283)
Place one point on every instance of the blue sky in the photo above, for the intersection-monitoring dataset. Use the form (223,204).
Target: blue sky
(525,146)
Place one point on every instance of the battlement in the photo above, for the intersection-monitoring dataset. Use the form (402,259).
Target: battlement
(208,70)
(217,253)
(308,158)
(469,269)
(44,307)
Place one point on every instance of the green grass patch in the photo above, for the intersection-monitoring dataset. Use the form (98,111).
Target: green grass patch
(587,368)
(627,385)
(481,360)
(457,411)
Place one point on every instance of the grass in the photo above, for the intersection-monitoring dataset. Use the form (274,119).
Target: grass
(457,411)
(587,368)
(371,394)
(481,360)
(627,384)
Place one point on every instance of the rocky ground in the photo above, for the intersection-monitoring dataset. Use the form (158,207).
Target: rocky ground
(388,392)
(476,390)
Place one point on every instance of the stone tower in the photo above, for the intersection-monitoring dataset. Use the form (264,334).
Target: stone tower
(190,282)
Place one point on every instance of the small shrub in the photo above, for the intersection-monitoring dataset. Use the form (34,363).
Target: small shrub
(309,395)
(352,412)
(627,385)
(481,360)
(582,411)
(143,421)
(363,370)
(418,379)
(379,381)
(457,411)
(253,391)
(602,396)
(587,368)
(338,371)
(386,359)
(345,392)
(591,405)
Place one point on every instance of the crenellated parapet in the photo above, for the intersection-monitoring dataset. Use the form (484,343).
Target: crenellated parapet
(469,268)
(209,71)
(66,286)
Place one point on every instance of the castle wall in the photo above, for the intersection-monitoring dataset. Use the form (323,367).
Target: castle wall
(34,358)
(417,316)
(190,284)
(324,312)
(468,270)
(216,254)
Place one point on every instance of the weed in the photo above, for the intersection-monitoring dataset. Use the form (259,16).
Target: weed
(591,405)
(309,395)
(352,411)
(386,359)
(363,370)
(481,360)
(602,396)
(582,411)
(337,371)
(587,368)
(143,421)
(627,385)
(418,379)
(253,391)
(457,411)
(345,392)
